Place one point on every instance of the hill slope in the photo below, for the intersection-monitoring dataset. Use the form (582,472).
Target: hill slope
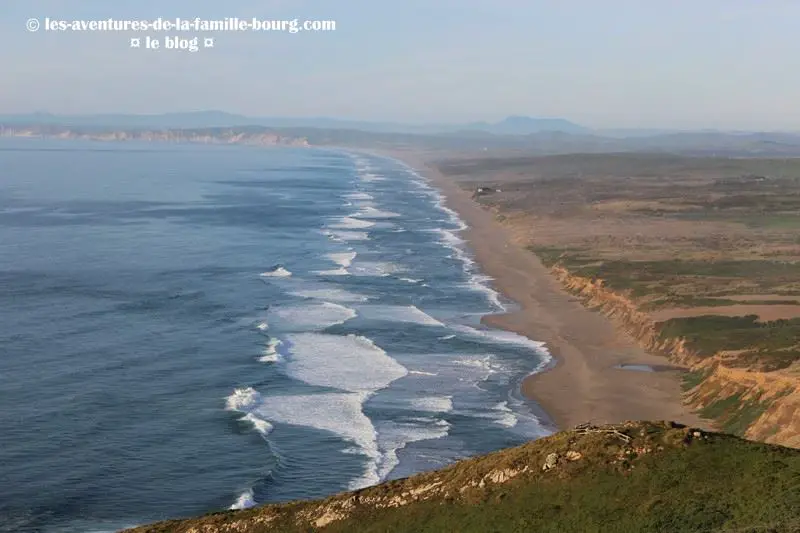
(633,477)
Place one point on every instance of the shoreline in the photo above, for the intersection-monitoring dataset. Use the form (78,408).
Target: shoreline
(586,379)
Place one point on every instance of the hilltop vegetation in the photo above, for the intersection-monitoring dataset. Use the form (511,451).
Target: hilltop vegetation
(633,477)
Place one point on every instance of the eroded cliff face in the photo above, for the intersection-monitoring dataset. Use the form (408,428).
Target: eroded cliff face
(762,406)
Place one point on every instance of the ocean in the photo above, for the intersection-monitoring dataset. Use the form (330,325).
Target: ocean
(190,328)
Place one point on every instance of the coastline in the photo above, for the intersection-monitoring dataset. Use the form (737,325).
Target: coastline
(585,381)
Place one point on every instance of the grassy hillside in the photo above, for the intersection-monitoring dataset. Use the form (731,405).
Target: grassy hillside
(635,477)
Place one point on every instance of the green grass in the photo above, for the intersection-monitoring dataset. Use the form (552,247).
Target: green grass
(734,414)
(766,360)
(773,221)
(701,281)
(708,334)
(687,300)
(768,302)
(693,378)
(714,483)
(551,256)
(656,270)
(721,407)
(766,346)
(743,417)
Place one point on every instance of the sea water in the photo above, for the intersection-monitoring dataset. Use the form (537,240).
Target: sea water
(187,328)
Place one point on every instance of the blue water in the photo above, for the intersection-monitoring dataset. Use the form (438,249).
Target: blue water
(192,328)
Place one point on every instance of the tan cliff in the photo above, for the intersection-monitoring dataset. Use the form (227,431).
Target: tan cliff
(202,136)
(758,405)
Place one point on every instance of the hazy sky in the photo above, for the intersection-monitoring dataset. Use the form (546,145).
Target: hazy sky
(609,63)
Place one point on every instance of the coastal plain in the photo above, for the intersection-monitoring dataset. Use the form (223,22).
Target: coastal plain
(685,266)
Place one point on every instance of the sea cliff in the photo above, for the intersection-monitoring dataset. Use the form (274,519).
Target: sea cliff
(746,401)
(247,136)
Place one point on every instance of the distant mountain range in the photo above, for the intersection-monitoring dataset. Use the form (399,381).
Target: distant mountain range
(514,125)
(542,143)
(532,135)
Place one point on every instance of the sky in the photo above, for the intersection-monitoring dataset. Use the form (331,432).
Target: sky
(727,64)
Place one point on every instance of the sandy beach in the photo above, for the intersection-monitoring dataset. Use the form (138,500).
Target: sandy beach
(584,383)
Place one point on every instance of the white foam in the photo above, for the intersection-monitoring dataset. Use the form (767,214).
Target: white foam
(396,435)
(351,223)
(369,177)
(446,337)
(269,358)
(410,280)
(398,313)
(338,413)
(349,362)
(375,268)
(482,366)
(331,294)
(244,501)
(454,218)
(353,363)
(451,240)
(341,271)
(263,325)
(458,370)
(372,212)
(346,236)
(262,426)
(360,204)
(278,272)
(270,353)
(504,337)
(358,195)
(12,210)
(479,283)
(448,237)
(432,404)
(343,259)
(507,418)
(420,182)
(310,317)
(500,414)
(486,362)
(243,400)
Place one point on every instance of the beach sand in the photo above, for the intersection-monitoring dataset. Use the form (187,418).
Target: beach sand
(585,383)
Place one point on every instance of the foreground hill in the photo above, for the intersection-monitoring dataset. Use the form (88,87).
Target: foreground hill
(632,477)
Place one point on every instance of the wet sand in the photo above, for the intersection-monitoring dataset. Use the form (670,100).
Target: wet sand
(585,382)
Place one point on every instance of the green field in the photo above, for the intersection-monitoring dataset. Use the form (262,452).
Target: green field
(768,345)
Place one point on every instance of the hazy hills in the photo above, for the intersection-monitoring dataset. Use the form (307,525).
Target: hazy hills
(514,125)
(533,136)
